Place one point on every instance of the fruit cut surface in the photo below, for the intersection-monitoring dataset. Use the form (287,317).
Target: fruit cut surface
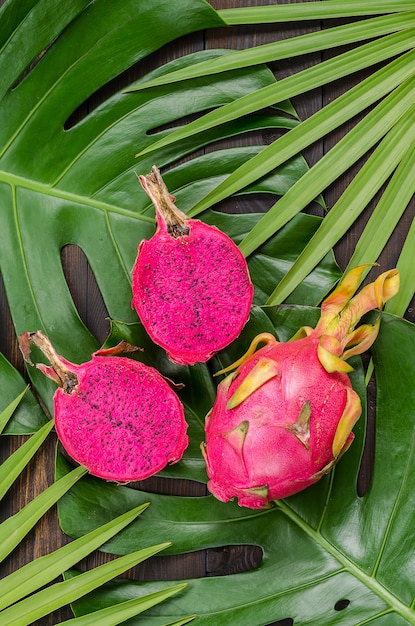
(123,421)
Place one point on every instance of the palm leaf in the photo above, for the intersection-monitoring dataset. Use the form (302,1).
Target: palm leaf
(383,221)
(361,190)
(48,600)
(16,527)
(341,157)
(399,305)
(13,466)
(27,416)
(119,613)
(305,80)
(311,42)
(311,10)
(15,606)
(321,123)
(43,570)
(6,414)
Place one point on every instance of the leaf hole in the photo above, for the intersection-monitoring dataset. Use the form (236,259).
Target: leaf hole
(84,290)
(156,568)
(178,122)
(9,345)
(246,203)
(158,484)
(341,604)
(97,98)
(171,486)
(366,464)
(125,79)
(182,566)
(28,69)
(233,559)
(288,621)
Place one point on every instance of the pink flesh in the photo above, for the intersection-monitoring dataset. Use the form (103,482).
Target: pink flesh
(193,293)
(123,421)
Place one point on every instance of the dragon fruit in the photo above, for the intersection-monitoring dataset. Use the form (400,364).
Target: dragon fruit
(114,415)
(191,285)
(283,418)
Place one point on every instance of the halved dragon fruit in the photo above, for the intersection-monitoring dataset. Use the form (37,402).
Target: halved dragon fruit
(282,419)
(191,285)
(114,415)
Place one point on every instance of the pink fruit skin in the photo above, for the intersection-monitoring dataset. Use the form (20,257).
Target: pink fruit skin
(285,416)
(271,454)
(191,286)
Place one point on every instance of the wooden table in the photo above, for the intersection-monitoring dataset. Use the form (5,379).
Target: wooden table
(39,474)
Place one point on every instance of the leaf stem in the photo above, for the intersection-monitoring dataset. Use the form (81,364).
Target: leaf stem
(367,579)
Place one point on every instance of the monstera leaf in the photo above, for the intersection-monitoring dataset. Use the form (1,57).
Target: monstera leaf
(63,182)
(330,557)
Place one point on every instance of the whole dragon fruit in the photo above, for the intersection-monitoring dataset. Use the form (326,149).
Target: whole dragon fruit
(191,285)
(114,415)
(282,419)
